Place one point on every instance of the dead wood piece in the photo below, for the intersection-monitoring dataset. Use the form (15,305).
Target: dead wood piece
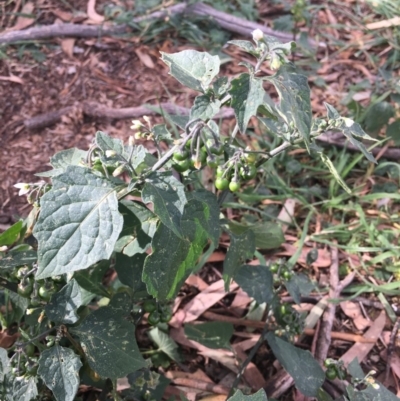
(46,119)
(201,385)
(96,110)
(278,384)
(239,25)
(82,30)
(224,20)
(337,139)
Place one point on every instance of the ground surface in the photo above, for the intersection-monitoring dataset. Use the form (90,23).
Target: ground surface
(49,75)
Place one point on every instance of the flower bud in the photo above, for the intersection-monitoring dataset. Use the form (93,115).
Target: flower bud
(131,140)
(118,171)
(111,153)
(147,119)
(258,35)
(275,62)
(136,124)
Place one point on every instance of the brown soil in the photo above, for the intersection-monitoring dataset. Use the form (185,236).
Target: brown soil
(48,75)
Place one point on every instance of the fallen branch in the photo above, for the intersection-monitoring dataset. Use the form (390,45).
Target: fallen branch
(96,110)
(224,20)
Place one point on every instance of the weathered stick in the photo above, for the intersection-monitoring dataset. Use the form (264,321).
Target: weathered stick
(224,20)
(96,110)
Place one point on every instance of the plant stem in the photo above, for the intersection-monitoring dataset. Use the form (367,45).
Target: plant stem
(251,355)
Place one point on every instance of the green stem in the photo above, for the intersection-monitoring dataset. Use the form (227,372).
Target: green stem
(251,355)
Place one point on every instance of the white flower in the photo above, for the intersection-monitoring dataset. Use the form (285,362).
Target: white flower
(258,35)
(136,124)
(23,187)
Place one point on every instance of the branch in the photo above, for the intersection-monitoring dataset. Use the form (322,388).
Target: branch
(96,110)
(224,20)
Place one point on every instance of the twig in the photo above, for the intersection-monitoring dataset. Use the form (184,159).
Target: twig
(337,139)
(391,346)
(96,110)
(201,385)
(260,325)
(224,20)
(325,332)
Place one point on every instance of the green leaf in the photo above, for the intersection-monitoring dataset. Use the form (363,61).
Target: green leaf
(109,343)
(258,396)
(204,108)
(139,227)
(105,142)
(220,86)
(241,248)
(300,364)
(165,343)
(299,285)
(257,282)
(211,334)
(355,369)
(168,197)
(59,369)
(67,157)
(24,388)
(161,133)
(245,45)
(332,113)
(180,121)
(19,305)
(7,387)
(328,163)
(79,223)
(64,304)
(207,214)
(393,132)
(247,95)
(378,115)
(268,235)
(141,158)
(130,270)
(4,363)
(12,233)
(198,224)
(294,104)
(14,259)
(191,68)
(122,304)
(379,394)
(61,160)
(274,127)
(90,279)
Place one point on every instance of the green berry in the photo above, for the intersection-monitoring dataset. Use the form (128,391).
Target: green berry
(212,162)
(180,155)
(234,186)
(248,171)
(220,171)
(45,293)
(331,373)
(149,305)
(154,318)
(250,157)
(25,289)
(182,166)
(221,183)
(29,349)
